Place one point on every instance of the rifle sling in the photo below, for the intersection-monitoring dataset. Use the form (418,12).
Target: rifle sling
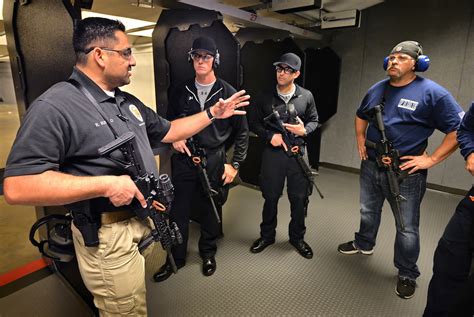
(88,95)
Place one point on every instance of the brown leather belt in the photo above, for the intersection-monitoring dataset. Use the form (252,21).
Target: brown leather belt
(107,218)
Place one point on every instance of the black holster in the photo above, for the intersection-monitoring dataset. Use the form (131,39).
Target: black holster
(88,226)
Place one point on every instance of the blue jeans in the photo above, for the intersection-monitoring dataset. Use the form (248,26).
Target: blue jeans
(374,189)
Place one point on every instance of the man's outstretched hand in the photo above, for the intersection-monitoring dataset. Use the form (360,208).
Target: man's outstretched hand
(227,108)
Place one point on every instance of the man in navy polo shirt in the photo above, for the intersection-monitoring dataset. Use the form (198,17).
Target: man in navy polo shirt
(413,108)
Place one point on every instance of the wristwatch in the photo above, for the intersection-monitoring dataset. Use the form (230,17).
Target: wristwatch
(236,165)
(209,114)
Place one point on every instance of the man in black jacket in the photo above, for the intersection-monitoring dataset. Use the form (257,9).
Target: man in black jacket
(278,162)
(196,95)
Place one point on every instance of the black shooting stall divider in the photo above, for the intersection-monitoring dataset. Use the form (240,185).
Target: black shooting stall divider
(39,42)
(172,39)
(323,69)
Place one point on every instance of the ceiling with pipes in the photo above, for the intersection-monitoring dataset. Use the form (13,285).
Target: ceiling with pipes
(301,23)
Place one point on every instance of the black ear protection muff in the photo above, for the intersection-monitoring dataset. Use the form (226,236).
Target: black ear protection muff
(216,62)
(422,62)
(59,245)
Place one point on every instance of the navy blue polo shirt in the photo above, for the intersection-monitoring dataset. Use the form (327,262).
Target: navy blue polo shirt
(411,113)
(62,131)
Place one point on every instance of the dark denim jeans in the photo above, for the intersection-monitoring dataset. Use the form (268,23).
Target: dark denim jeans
(374,189)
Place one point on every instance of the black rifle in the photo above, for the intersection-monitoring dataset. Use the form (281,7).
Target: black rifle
(274,120)
(158,193)
(198,158)
(388,158)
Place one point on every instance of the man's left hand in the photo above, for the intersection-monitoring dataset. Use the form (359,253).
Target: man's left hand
(227,108)
(229,174)
(297,129)
(415,163)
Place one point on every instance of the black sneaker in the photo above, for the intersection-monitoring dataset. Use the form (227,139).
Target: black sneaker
(349,248)
(405,288)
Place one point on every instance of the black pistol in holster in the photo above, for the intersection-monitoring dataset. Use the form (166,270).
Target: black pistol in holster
(388,159)
(295,144)
(88,224)
(158,193)
(198,159)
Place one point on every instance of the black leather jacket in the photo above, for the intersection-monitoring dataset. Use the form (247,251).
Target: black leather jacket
(184,102)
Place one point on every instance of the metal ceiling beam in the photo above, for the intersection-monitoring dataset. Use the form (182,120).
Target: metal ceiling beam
(252,19)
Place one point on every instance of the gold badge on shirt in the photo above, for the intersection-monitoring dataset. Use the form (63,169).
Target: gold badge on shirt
(134,110)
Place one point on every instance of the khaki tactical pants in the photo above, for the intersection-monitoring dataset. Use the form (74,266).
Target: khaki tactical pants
(114,272)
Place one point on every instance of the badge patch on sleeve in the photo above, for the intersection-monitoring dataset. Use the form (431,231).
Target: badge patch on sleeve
(408,104)
(134,110)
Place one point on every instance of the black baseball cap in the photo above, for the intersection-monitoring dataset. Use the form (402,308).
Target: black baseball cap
(204,44)
(290,59)
(411,48)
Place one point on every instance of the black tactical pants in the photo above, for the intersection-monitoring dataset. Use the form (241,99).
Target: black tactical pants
(190,196)
(276,166)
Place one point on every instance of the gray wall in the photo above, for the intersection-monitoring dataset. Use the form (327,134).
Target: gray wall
(446,31)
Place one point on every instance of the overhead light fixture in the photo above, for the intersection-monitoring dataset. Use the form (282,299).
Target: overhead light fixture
(142,3)
(130,24)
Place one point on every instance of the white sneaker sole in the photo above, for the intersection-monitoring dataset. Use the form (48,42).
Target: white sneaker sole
(357,251)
